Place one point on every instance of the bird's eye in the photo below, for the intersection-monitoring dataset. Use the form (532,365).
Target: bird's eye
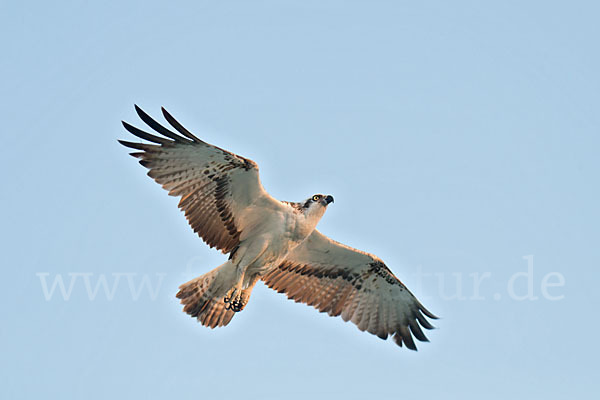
(316,197)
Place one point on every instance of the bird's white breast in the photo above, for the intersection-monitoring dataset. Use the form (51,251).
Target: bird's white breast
(274,238)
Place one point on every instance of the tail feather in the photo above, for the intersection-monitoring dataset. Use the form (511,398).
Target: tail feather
(202,297)
(215,314)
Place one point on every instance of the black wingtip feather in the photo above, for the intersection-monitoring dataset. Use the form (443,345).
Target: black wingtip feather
(132,145)
(398,339)
(424,323)
(427,312)
(151,122)
(417,331)
(180,128)
(145,135)
(407,338)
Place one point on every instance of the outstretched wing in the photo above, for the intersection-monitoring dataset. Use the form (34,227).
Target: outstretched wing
(340,280)
(216,187)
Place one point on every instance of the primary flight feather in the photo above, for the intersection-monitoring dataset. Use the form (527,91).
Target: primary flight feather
(270,240)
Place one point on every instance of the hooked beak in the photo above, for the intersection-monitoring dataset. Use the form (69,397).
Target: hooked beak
(328,199)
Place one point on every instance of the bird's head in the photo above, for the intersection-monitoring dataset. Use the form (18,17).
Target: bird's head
(316,204)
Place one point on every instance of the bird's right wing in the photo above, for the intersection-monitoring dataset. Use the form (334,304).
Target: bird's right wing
(218,189)
(340,280)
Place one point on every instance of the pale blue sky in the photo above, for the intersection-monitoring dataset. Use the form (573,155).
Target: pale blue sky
(457,138)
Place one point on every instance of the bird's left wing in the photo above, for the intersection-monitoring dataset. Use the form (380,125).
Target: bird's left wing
(219,190)
(340,280)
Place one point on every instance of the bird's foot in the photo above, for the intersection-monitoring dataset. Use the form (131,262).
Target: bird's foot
(235,300)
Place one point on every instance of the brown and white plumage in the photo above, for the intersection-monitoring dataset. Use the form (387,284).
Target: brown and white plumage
(276,241)
(216,187)
(340,280)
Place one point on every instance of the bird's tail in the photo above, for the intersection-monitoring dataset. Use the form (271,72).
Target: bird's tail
(202,297)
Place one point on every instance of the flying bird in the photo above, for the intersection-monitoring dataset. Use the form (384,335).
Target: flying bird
(270,240)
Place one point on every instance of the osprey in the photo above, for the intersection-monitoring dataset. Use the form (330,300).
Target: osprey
(269,240)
